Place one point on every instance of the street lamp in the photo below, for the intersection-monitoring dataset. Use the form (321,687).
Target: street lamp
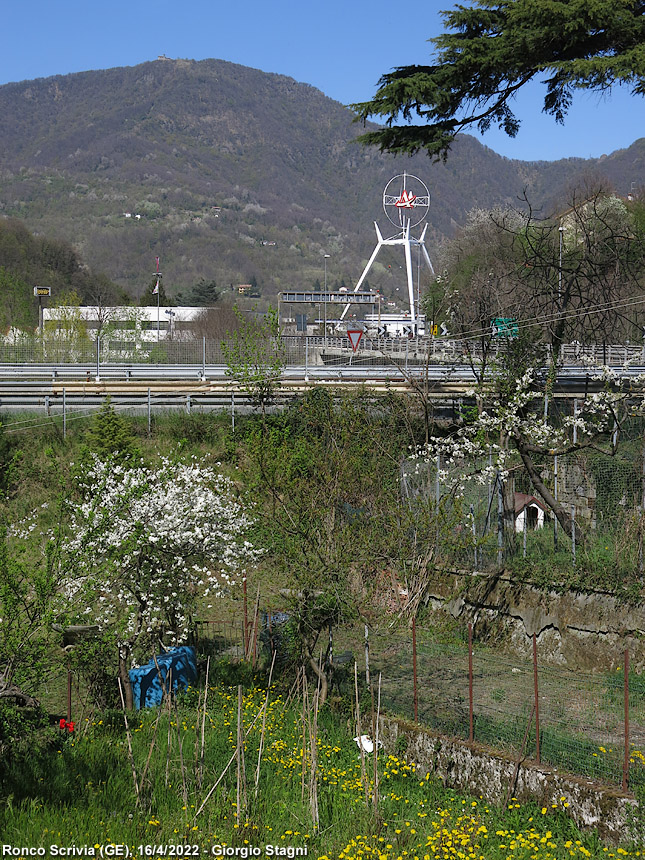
(156,292)
(326,257)
(171,322)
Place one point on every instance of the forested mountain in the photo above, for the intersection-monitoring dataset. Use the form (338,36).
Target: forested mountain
(232,175)
(27,261)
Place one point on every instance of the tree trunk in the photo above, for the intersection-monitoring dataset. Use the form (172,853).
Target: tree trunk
(560,513)
(125,680)
(11,691)
(508,501)
(322,677)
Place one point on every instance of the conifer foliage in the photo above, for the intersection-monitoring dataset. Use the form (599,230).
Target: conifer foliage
(491,49)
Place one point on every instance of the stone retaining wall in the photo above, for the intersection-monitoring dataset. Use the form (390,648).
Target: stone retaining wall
(477,771)
(582,631)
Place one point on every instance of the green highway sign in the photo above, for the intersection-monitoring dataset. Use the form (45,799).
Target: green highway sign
(504,327)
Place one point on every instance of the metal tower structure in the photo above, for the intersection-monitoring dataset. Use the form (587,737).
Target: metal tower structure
(406,201)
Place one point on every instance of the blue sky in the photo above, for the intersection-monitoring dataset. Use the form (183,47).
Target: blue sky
(339,47)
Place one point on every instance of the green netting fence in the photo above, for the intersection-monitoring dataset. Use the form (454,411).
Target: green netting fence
(578,716)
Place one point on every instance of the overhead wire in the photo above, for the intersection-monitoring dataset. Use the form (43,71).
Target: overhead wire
(529,322)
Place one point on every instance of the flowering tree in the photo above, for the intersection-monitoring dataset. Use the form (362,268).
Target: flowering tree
(513,425)
(147,544)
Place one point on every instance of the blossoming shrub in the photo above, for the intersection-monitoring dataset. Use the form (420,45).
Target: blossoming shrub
(147,544)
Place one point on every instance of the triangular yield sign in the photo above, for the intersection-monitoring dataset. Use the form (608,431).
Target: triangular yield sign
(354,336)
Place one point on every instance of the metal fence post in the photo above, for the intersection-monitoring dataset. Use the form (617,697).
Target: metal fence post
(367,656)
(474,531)
(149,409)
(500,520)
(69,693)
(246,621)
(575,415)
(641,559)
(64,415)
(414,668)
(437,498)
(555,493)
(626,695)
(471,728)
(537,703)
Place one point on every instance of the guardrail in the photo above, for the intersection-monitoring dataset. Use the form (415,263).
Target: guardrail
(296,351)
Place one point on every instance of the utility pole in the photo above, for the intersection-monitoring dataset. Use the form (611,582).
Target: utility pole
(156,292)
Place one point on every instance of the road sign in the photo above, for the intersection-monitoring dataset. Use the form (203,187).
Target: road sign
(354,336)
(504,327)
(42,291)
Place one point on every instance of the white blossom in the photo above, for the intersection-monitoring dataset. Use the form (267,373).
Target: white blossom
(147,543)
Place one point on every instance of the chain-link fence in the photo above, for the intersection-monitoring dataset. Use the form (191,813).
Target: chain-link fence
(589,724)
(577,721)
(569,719)
(295,351)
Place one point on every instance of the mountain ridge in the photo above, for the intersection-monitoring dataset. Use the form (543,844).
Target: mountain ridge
(236,174)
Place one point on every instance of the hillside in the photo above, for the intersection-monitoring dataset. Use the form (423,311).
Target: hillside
(27,260)
(233,175)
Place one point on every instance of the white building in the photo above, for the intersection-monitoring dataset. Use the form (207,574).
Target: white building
(395,325)
(125,323)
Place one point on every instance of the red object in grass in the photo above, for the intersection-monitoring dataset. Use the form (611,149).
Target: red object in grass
(65,725)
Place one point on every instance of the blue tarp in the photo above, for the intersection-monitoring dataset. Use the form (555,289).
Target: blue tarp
(147,687)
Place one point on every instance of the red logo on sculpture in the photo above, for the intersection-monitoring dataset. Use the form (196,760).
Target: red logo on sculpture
(406,200)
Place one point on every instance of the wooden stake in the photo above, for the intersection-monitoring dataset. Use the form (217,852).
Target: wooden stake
(180,742)
(229,763)
(264,722)
(200,775)
(241,766)
(376,745)
(129,737)
(359,733)
(313,747)
(304,751)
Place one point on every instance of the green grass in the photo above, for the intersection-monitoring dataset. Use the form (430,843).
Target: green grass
(78,789)
(606,561)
